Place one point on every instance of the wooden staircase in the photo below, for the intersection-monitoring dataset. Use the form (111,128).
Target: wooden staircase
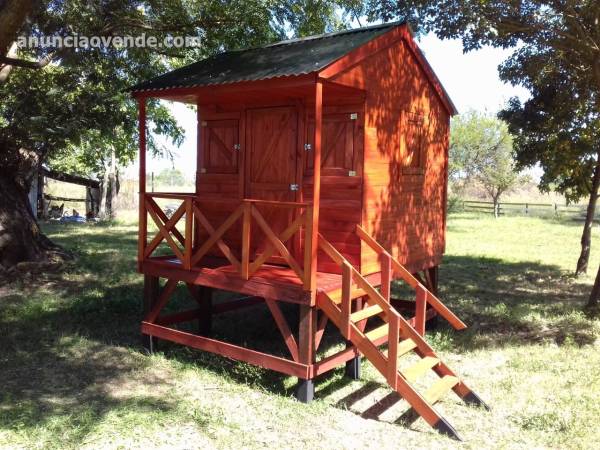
(401,338)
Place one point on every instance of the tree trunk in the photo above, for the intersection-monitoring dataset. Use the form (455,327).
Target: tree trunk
(111,201)
(586,236)
(593,300)
(12,17)
(103,195)
(20,236)
(496,208)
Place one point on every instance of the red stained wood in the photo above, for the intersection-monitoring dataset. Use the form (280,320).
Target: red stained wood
(322,323)
(375,124)
(334,361)
(221,146)
(288,337)
(164,297)
(420,309)
(313,234)
(229,350)
(271,164)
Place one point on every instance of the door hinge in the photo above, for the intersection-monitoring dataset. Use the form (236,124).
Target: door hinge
(202,170)
(307,147)
(352,173)
(204,124)
(236,146)
(353,116)
(294,187)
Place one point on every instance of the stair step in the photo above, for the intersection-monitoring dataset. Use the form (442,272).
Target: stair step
(404,347)
(413,372)
(366,313)
(378,332)
(336,296)
(439,388)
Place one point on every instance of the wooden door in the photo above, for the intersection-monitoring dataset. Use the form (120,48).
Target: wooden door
(218,177)
(271,135)
(338,138)
(220,147)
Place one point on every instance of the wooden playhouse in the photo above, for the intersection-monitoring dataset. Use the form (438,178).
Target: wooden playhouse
(321,178)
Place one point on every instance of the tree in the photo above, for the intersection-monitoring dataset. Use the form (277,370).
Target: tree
(170,177)
(559,130)
(481,151)
(78,102)
(562,37)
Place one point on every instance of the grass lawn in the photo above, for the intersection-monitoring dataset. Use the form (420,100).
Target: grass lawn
(73,374)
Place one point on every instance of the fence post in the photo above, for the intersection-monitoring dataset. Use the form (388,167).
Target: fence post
(526,208)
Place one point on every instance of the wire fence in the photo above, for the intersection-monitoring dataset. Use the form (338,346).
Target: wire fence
(527,209)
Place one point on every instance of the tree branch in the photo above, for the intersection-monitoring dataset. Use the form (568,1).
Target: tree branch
(16,62)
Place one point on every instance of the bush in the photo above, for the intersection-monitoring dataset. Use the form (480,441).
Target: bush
(455,204)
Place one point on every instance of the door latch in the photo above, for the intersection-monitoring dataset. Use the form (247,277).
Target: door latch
(307,147)
(353,116)
(294,187)
(236,146)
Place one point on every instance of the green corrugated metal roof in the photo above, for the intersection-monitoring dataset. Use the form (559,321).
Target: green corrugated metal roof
(286,58)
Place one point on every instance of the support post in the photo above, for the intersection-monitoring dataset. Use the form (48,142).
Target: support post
(386,275)
(432,280)
(432,284)
(352,370)
(149,300)
(311,279)
(305,391)
(420,309)
(205,303)
(142,231)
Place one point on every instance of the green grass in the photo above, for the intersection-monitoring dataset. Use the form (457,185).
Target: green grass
(73,373)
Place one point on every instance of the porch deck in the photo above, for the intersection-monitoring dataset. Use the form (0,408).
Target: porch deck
(269,281)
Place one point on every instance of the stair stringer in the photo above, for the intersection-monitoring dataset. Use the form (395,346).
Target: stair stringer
(380,361)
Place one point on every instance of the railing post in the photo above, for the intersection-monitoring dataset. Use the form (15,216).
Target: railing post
(189,233)
(143,219)
(346,298)
(246,225)
(308,233)
(393,338)
(386,275)
(311,283)
(420,309)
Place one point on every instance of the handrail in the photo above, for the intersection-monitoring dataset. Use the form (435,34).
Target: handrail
(412,281)
(396,322)
(361,281)
(173,195)
(278,203)
(190,252)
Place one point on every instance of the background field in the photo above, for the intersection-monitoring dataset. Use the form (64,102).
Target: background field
(74,375)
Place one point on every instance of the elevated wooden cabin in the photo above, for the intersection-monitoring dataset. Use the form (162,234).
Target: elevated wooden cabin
(321,178)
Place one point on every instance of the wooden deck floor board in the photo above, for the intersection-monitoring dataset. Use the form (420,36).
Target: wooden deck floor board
(270,281)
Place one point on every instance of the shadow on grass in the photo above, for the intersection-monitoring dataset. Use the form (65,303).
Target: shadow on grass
(58,384)
(54,331)
(507,303)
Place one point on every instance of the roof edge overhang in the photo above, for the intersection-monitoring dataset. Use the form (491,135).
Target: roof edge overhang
(231,87)
(402,32)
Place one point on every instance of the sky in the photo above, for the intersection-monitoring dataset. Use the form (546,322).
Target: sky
(470,79)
